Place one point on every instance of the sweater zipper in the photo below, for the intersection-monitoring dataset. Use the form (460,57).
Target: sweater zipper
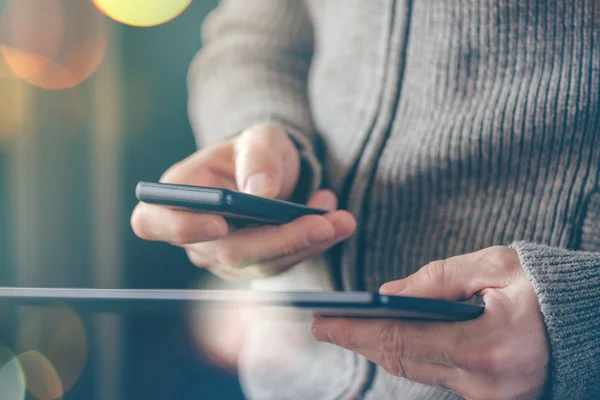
(347,185)
(348,182)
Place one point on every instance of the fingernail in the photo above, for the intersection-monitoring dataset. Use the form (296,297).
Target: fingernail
(258,184)
(322,335)
(214,230)
(318,234)
(393,287)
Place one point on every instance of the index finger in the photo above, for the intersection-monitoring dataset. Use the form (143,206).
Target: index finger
(265,243)
(160,223)
(433,342)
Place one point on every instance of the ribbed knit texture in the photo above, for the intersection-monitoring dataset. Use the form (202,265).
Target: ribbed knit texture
(567,283)
(253,69)
(450,126)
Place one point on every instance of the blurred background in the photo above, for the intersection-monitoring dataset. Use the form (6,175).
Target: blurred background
(93,100)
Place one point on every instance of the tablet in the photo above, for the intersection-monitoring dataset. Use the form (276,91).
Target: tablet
(323,304)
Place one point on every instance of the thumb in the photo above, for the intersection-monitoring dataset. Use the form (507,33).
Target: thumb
(259,163)
(458,278)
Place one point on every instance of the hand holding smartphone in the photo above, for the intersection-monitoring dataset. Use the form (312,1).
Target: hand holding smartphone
(262,161)
(276,234)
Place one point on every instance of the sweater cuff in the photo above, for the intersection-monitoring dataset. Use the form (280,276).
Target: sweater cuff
(567,284)
(311,173)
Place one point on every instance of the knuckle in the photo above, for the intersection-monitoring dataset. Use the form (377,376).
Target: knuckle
(435,272)
(263,136)
(389,340)
(346,338)
(502,258)
(499,303)
(181,232)
(257,154)
(491,360)
(291,247)
(256,136)
(393,365)
(195,258)
(227,255)
(307,223)
(294,237)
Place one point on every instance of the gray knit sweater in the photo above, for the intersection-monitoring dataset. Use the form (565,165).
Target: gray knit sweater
(446,126)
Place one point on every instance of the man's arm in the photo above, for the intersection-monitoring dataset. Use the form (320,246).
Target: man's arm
(539,334)
(253,70)
(567,284)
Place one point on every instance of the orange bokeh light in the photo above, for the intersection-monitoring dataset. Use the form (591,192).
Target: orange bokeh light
(58,335)
(13,102)
(42,380)
(53,44)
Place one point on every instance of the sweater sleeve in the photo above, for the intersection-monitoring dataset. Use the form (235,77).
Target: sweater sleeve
(567,284)
(280,358)
(253,69)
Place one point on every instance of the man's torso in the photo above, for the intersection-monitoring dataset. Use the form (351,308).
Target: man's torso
(468,124)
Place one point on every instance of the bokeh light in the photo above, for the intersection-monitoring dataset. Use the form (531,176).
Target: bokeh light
(12,378)
(42,379)
(74,110)
(219,333)
(58,334)
(13,102)
(142,12)
(222,333)
(53,44)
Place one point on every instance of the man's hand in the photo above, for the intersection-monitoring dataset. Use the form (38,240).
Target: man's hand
(503,354)
(261,161)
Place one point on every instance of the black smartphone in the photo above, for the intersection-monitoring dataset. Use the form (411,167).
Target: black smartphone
(239,209)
